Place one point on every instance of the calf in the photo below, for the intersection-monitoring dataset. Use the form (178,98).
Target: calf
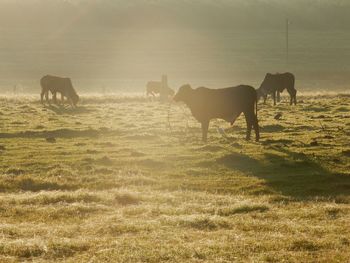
(227,104)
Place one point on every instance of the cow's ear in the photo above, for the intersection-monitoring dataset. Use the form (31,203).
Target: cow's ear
(268,74)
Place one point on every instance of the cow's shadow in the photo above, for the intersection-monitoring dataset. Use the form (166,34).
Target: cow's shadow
(292,174)
(61,109)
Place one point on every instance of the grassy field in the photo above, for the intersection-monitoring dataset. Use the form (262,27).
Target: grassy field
(110,181)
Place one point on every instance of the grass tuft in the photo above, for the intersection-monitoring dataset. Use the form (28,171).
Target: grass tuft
(125,199)
(243,209)
(304,245)
(205,223)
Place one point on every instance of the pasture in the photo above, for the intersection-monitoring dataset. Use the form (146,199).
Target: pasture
(110,181)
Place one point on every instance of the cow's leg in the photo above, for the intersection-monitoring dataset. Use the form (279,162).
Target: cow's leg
(295,97)
(42,96)
(265,98)
(291,95)
(205,127)
(47,97)
(62,98)
(278,96)
(153,96)
(54,97)
(248,118)
(256,127)
(274,98)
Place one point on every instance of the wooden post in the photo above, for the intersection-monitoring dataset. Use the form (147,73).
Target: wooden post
(287,41)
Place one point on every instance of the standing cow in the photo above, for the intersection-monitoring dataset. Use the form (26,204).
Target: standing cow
(274,84)
(58,85)
(227,104)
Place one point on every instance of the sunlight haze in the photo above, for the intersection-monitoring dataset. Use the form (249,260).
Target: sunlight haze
(123,44)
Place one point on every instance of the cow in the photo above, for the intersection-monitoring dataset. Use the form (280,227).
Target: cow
(155,87)
(274,84)
(58,85)
(227,104)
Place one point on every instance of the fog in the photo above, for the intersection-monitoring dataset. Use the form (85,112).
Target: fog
(119,45)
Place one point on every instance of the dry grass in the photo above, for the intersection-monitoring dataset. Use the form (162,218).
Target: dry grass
(117,185)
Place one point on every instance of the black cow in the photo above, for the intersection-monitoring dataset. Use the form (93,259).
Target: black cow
(227,104)
(274,84)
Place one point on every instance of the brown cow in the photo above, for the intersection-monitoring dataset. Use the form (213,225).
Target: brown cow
(274,84)
(58,85)
(227,104)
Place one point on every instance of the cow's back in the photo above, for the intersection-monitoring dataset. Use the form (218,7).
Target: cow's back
(283,81)
(287,80)
(238,94)
(222,103)
(52,82)
(57,84)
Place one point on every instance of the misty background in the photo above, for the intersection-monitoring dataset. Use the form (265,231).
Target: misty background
(119,45)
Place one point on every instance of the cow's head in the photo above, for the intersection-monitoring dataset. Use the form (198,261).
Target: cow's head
(184,93)
(267,80)
(264,87)
(75,99)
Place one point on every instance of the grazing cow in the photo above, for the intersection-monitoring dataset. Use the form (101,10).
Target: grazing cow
(58,85)
(275,84)
(227,104)
(155,87)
